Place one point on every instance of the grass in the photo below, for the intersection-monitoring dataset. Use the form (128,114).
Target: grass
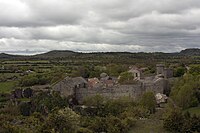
(194,110)
(24,99)
(9,75)
(148,126)
(7,87)
(29,61)
(152,125)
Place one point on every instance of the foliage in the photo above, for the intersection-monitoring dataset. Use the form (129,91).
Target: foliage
(185,92)
(23,124)
(61,121)
(36,79)
(194,111)
(104,107)
(25,108)
(118,106)
(174,120)
(148,100)
(7,115)
(83,71)
(135,112)
(186,97)
(97,102)
(10,109)
(45,102)
(7,87)
(109,124)
(102,115)
(194,69)
(126,78)
(179,71)
(114,115)
(84,130)
(115,69)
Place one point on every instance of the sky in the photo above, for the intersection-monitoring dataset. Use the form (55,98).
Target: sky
(35,26)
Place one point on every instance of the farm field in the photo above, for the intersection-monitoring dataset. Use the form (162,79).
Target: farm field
(7,87)
(194,110)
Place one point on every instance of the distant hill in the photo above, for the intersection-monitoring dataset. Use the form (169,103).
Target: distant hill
(68,54)
(191,52)
(8,56)
(56,54)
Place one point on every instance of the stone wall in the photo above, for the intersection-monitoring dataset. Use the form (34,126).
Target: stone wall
(168,73)
(78,88)
(133,91)
(158,86)
(64,89)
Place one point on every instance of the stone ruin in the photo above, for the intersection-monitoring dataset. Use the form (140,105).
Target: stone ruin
(80,88)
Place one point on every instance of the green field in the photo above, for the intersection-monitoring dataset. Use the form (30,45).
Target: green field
(6,87)
(194,110)
(29,61)
(9,75)
(148,126)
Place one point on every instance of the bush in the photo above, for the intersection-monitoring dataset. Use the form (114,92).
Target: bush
(45,102)
(185,91)
(148,101)
(36,79)
(180,71)
(62,121)
(173,121)
(84,130)
(114,116)
(126,78)
(25,108)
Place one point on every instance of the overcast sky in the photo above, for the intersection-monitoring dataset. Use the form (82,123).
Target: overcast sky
(33,26)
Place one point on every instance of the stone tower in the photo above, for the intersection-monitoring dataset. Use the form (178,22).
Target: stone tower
(160,69)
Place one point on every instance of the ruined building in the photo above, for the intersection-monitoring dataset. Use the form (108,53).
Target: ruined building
(80,88)
(166,72)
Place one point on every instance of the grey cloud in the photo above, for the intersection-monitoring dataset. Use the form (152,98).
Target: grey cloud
(88,25)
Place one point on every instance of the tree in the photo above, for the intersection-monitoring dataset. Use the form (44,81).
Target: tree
(194,70)
(195,120)
(126,78)
(173,120)
(62,121)
(45,102)
(185,91)
(115,70)
(118,106)
(180,71)
(96,101)
(148,100)
(186,97)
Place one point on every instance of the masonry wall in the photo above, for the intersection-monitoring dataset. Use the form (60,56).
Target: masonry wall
(133,91)
(159,86)
(64,88)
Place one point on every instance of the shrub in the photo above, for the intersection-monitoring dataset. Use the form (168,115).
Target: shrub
(148,101)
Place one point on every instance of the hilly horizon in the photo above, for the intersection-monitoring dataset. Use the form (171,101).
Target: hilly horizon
(192,51)
(67,53)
